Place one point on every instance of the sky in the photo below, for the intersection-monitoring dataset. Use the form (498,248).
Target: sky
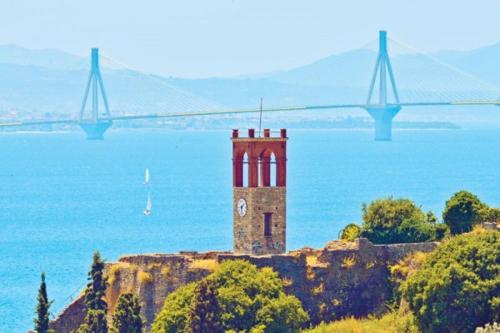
(190,38)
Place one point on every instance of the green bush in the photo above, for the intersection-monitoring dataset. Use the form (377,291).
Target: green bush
(462,211)
(399,221)
(350,232)
(250,300)
(391,322)
(458,287)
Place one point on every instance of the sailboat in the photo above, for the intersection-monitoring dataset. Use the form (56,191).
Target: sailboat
(146,176)
(149,205)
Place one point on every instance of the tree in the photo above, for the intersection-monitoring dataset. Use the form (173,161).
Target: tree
(204,316)
(127,316)
(250,300)
(95,319)
(399,221)
(462,211)
(457,288)
(42,309)
(350,232)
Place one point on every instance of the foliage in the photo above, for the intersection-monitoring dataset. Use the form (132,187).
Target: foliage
(462,211)
(458,286)
(174,316)
(392,322)
(490,214)
(350,232)
(144,277)
(489,328)
(95,319)
(127,316)
(42,309)
(399,221)
(250,300)
(208,264)
(400,272)
(204,316)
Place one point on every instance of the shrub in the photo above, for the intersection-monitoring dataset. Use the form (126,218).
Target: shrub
(350,232)
(458,286)
(489,328)
(127,316)
(392,322)
(399,221)
(462,211)
(250,299)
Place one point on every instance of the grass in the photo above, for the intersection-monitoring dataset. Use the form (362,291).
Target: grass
(208,264)
(392,322)
(312,260)
(116,268)
(348,262)
(144,277)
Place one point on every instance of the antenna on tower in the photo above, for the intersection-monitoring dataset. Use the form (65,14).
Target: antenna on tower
(260,118)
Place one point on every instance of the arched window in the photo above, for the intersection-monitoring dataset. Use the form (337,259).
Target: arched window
(245,170)
(267,169)
(273,174)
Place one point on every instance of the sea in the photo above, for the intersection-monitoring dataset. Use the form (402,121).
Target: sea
(63,197)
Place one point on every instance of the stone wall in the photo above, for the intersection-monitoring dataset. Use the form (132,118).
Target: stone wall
(342,279)
(248,231)
(151,277)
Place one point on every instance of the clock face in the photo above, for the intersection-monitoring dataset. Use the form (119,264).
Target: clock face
(242,207)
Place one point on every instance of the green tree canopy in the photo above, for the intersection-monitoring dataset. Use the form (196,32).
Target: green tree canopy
(250,300)
(127,316)
(95,319)
(458,286)
(399,221)
(462,211)
(42,309)
(204,316)
(350,232)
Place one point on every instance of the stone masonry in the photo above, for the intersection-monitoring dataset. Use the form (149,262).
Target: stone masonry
(342,279)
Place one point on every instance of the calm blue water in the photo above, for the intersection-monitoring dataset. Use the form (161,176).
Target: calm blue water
(62,197)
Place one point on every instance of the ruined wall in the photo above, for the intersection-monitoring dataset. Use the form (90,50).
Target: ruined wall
(342,279)
(150,277)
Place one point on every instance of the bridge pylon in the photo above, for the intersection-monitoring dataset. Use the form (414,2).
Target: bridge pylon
(381,111)
(94,124)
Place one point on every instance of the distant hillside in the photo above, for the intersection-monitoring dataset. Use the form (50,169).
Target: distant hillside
(48,58)
(50,83)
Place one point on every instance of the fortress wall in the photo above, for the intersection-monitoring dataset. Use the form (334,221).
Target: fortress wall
(343,279)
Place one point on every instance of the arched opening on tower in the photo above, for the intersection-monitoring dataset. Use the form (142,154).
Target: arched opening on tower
(273,171)
(267,169)
(245,170)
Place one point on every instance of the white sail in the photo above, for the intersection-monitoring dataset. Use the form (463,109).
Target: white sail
(149,205)
(146,176)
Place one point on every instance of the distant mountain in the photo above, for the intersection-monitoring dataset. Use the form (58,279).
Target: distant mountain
(50,83)
(483,62)
(47,58)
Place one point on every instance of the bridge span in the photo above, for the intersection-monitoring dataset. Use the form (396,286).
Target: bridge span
(377,104)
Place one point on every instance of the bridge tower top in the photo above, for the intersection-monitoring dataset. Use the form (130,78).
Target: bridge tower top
(93,124)
(382,68)
(96,85)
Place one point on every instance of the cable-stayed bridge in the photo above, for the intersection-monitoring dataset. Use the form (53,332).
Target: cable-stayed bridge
(445,86)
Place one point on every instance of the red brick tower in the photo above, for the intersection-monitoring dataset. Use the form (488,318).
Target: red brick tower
(259,188)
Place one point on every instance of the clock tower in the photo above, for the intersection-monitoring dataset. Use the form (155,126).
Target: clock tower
(259,193)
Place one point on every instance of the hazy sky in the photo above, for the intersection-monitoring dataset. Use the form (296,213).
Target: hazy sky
(228,37)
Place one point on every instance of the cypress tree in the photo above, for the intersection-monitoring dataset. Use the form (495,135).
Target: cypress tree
(95,320)
(127,316)
(204,316)
(42,309)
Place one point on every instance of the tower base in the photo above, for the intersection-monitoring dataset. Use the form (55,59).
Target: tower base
(383,116)
(96,130)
